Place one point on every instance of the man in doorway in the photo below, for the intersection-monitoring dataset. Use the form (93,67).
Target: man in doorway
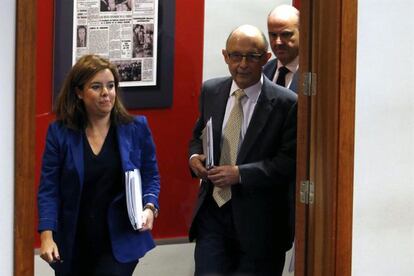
(242,222)
(283,29)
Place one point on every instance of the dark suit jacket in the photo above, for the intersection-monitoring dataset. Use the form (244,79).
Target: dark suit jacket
(61,183)
(270,69)
(263,203)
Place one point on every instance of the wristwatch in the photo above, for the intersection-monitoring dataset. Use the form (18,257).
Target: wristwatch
(152,208)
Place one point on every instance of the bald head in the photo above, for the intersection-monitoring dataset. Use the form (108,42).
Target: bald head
(283,29)
(250,32)
(285,12)
(245,54)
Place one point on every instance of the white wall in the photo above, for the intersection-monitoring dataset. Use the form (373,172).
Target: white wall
(383,225)
(7,53)
(220,18)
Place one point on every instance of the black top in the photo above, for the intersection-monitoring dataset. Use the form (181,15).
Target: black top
(103,181)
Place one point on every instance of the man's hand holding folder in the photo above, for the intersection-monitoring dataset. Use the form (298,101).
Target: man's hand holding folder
(207,138)
(200,163)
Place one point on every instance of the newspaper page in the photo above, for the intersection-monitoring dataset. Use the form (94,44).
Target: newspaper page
(124,31)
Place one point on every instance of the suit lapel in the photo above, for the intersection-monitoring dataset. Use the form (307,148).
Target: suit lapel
(258,121)
(294,84)
(273,68)
(218,110)
(272,71)
(124,132)
(76,146)
(269,69)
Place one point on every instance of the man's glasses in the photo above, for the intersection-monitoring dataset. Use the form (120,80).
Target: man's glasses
(250,57)
(285,35)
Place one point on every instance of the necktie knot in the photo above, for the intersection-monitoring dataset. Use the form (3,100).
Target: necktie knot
(239,94)
(281,78)
(283,70)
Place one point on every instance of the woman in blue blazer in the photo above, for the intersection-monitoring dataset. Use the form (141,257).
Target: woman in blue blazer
(83,219)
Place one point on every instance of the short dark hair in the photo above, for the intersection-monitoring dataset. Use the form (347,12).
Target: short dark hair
(70,110)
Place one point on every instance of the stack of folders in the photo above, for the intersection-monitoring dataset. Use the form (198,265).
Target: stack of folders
(133,191)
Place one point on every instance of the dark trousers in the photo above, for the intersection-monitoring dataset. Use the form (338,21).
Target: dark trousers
(104,265)
(93,257)
(218,251)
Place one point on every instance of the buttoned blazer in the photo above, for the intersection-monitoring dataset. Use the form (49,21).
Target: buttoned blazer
(62,177)
(263,202)
(269,71)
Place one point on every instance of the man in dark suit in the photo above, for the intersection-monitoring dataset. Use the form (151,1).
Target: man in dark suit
(242,221)
(283,29)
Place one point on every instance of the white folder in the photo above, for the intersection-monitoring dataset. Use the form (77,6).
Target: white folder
(133,191)
(207,138)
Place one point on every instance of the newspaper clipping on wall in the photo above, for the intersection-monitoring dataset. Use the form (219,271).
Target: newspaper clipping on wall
(124,31)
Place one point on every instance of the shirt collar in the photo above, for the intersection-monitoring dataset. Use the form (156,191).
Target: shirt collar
(292,66)
(252,92)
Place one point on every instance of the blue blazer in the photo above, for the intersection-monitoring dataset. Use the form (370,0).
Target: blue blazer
(60,188)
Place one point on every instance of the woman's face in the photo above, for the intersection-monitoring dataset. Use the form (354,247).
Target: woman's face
(98,94)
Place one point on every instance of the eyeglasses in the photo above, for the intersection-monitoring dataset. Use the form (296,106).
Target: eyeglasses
(250,57)
(285,35)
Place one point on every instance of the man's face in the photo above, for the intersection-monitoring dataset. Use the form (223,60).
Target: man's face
(112,5)
(284,38)
(82,33)
(245,56)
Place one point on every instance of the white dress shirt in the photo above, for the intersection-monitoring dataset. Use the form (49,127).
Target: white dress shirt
(293,67)
(248,104)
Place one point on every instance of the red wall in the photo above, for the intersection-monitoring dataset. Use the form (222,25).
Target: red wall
(171,127)
(296,3)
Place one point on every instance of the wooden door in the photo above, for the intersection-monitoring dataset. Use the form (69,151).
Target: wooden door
(25,88)
(326,138)
(303,140)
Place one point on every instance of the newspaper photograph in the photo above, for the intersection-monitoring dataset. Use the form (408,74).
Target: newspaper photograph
(124,31)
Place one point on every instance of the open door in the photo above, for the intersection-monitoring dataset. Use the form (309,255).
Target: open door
(326,138)
(303,141)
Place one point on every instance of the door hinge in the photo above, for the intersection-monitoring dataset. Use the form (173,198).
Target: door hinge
(307,192)
(309,84)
